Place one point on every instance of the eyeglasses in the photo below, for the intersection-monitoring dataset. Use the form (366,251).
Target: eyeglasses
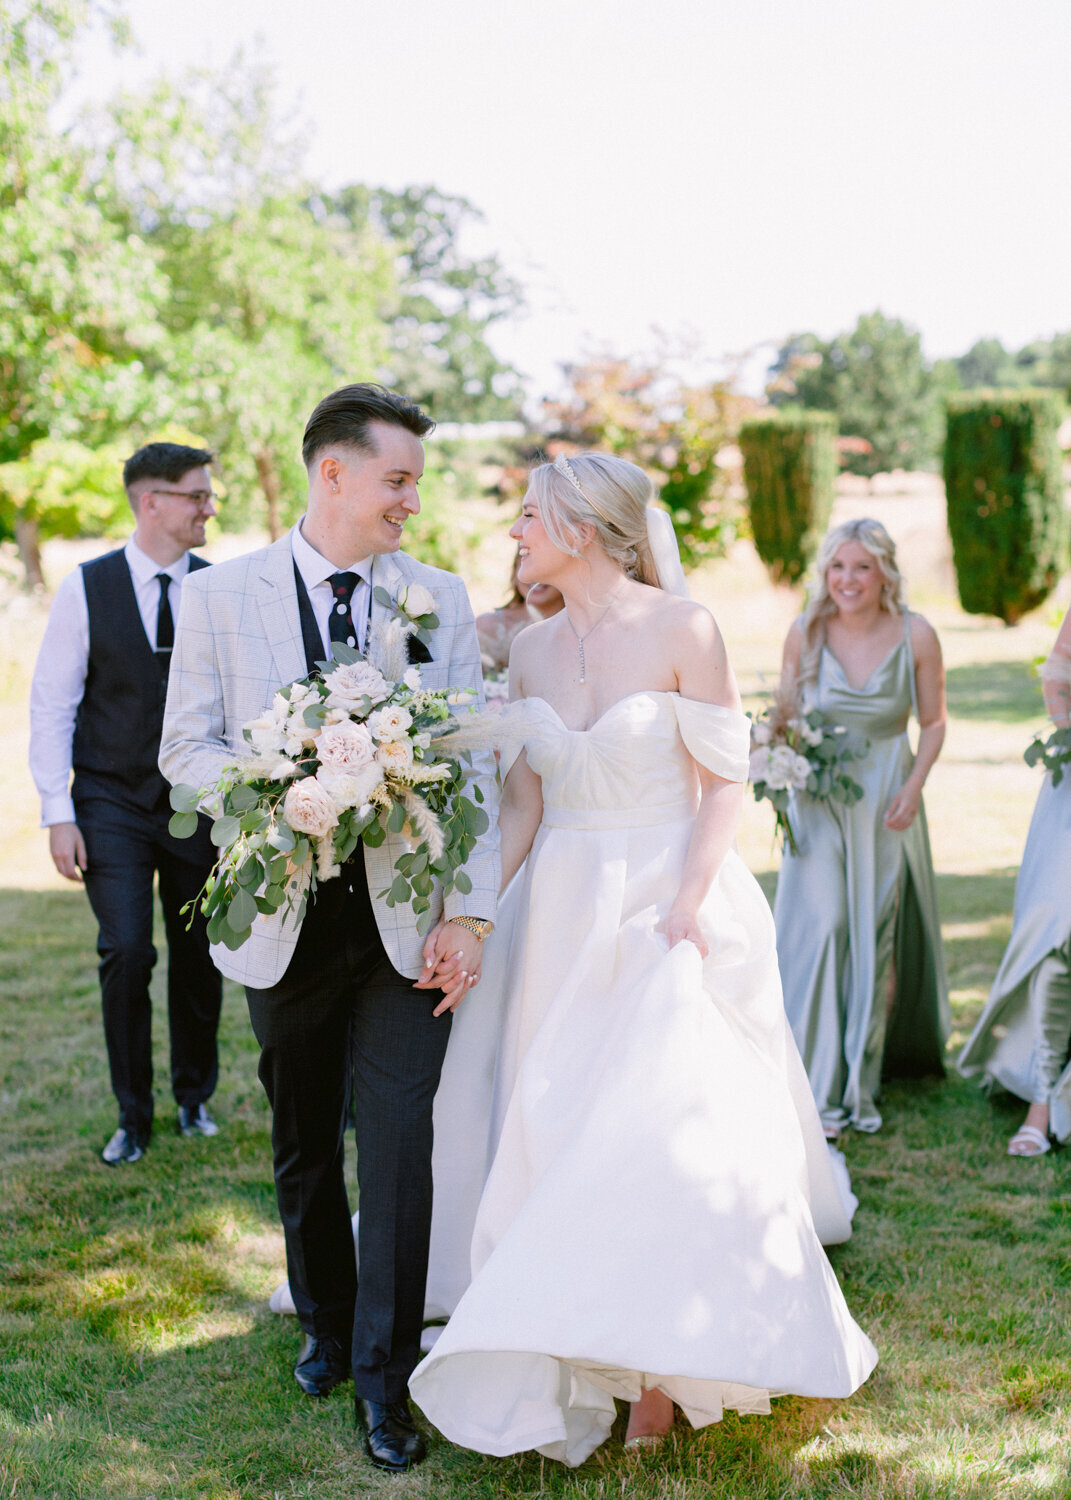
(200,498)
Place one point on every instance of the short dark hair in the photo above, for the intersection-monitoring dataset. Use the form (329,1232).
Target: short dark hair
(164,461)
(343,417)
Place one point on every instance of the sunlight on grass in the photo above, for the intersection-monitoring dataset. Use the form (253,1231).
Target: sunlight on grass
(137,1355)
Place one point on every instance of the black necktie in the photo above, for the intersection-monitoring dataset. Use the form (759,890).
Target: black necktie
(165,625)
(340,626)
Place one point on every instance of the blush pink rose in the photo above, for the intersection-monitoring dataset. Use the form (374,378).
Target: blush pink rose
(308,809)
(345,747)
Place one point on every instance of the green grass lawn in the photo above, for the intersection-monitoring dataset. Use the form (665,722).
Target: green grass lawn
(138,1357)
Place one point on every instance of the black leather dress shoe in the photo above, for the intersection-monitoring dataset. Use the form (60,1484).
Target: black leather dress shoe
(391,1439)
(194,1120)
(323,1365)
(124,1146)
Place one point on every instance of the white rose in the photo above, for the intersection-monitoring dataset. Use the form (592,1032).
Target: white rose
(782,760)
(416,600)
(801,770)
(348,684)
(344,747)
(389,723)
(758,768)
(395,755)
(350,788)
(761,734)
(265,735)
(301,695)
(412,679)
(308,809)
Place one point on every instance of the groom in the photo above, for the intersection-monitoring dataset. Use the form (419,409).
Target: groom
(338,994)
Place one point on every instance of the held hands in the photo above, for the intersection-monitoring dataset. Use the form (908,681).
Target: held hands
(68,849)
(681,924)
(452,960)
(903,808)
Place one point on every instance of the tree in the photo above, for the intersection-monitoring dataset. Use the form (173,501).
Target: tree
(77,293)
(271,306)
(674,431)
(447,300)
(987,364)
(876,381)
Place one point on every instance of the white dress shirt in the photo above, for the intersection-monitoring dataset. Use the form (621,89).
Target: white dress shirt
(59,678)
(316,573)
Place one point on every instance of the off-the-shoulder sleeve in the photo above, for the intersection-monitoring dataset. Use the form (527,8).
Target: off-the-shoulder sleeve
(718,738)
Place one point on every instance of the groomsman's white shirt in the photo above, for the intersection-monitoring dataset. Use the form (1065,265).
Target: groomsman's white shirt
(59,678)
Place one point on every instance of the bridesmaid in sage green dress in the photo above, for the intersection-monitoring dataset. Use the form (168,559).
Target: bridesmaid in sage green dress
(1023,1035)
(858,935)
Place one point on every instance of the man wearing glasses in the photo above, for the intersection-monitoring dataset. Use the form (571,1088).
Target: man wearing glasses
(96,708)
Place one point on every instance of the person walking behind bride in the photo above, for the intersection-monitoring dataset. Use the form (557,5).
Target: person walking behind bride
(651,1222)
(858,934)
(1023,1037)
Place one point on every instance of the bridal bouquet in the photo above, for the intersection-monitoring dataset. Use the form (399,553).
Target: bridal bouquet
(1054,754)
(353,751)
(798,752)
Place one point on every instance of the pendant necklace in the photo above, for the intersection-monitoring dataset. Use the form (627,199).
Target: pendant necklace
(580,639)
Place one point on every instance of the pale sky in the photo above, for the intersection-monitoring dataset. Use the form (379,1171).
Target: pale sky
(727,172)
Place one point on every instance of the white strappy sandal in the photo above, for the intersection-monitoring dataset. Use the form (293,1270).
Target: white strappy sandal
(1034,1140)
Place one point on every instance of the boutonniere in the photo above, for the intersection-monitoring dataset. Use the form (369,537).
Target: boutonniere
(414,606)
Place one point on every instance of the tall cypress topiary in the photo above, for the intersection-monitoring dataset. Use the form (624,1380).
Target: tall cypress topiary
(1005,490)
(790,463)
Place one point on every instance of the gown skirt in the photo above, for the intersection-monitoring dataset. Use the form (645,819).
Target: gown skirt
(1022,1037)
(659,1187)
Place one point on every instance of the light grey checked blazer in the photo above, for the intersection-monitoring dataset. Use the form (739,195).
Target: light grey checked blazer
(237,641)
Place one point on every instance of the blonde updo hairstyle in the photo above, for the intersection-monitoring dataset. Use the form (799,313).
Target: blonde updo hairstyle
(820,606)
(612,500)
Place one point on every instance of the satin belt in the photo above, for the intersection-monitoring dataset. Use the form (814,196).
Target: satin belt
(617,817)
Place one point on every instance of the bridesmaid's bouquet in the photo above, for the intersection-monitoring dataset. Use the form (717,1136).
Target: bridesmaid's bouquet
(1052,754)
(352,752)
(801,752)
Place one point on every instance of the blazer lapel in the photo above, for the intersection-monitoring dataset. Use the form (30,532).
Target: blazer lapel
(276,597)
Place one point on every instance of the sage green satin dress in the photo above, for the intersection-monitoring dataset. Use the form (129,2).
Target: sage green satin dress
(1022,1037)
(858,934)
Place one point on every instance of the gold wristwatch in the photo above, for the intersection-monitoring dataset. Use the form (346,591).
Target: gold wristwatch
(476,925)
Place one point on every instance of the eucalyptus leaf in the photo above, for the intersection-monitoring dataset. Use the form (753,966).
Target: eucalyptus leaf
(182,825)
(241,797)
(184,799)
(241,912)
(225,831)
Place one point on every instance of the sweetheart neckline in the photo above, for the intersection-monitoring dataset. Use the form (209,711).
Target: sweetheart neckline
(640,693)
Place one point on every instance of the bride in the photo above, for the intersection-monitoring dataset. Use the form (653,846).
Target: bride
(652,1218)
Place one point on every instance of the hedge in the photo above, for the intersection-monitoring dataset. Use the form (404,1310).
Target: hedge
(1005,489)
(790,465)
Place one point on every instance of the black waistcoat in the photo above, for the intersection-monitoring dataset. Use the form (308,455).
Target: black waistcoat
(118,725)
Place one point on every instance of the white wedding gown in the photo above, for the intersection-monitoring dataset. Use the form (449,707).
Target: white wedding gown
(654,1208)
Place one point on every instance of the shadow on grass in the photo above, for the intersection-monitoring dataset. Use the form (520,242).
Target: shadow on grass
(1006,692)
